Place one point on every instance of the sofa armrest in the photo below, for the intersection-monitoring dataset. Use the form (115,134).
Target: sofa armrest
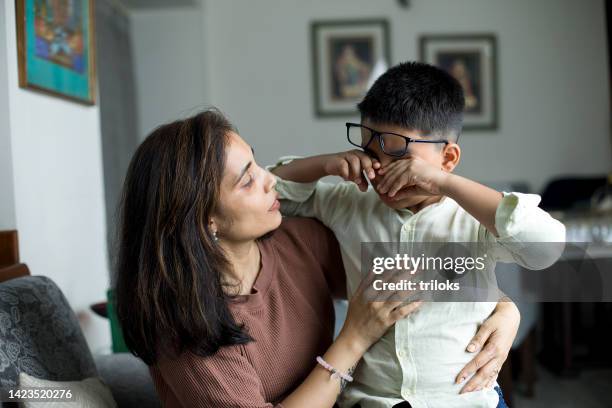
(129,380)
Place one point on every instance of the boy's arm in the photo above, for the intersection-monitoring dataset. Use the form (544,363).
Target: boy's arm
(301,195)
(478,200)
(520,231)
(350,166)
(514,219)
(511,221)
(301,170)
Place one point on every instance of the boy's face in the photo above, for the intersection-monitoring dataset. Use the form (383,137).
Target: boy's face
(432,153)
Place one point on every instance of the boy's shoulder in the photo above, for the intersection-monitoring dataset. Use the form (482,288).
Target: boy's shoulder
(346,195)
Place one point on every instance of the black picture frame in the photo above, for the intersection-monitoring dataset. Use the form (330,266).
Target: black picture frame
(364,43)
(472,59)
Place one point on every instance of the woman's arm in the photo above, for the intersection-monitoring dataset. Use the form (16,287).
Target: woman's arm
(228,379)
(365,323)
(493,341)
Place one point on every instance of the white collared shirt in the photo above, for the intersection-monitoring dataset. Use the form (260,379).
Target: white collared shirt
(418,359)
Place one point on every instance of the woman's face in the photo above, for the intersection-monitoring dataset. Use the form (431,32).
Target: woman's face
(248,205)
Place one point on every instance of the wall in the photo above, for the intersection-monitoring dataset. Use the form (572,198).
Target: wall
(118,107)
(58,191)
(553,81)
(169,65)
(7,200)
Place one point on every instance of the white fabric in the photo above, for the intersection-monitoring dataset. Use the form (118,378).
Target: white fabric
(419,358)
(88,393)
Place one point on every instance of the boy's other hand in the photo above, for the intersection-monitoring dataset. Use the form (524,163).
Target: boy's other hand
(352,166)
(415,172)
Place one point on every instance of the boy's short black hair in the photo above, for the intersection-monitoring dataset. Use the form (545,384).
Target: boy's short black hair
(416,96)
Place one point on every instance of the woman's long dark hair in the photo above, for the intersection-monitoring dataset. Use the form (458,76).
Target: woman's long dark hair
(169,290)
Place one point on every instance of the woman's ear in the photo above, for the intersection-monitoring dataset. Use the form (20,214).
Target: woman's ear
(212,226)
(450,156)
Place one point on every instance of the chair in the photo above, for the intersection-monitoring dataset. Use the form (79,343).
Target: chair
(40,335)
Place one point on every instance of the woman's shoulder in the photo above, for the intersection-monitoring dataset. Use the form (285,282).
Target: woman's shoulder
(306,244)
(295,224)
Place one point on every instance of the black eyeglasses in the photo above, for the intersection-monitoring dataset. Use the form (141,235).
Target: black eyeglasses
(391,144)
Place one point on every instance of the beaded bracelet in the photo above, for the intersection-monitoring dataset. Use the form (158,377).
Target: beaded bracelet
(334,373)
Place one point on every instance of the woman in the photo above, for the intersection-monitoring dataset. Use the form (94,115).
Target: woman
(228,304)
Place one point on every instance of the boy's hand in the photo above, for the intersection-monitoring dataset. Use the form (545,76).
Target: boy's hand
(349,165)
(412,172)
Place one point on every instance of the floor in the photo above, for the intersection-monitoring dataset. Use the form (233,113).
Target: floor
(592,389)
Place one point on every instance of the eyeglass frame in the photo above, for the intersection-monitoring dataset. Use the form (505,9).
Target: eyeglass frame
(377,134)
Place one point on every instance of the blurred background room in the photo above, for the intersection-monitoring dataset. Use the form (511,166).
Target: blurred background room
(288,73)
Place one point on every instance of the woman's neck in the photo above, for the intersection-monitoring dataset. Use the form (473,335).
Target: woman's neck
(245,262)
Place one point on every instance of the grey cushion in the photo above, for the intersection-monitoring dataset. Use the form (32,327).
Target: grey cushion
(39,333)
(129,378)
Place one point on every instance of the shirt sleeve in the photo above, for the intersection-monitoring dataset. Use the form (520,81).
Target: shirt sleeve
(325,201)
(224,380)
(527,234)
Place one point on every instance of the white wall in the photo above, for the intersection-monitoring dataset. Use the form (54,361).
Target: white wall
(169,66)
(553,79)
(58,191)
(7,203)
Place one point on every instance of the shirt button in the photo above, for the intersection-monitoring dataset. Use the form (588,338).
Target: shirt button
(400,353)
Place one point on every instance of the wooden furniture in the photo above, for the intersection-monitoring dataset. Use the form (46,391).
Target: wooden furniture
(10,267)
(9,248)
(13,271)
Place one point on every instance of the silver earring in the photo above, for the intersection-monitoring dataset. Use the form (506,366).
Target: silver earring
(215,236)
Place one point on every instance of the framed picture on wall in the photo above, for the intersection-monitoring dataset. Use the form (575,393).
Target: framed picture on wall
(346,57)
(472,60)
(55,44)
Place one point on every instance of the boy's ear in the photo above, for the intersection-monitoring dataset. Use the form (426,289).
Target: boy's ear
(450,156)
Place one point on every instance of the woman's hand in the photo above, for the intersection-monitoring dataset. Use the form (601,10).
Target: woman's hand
(368,320)
(494,340)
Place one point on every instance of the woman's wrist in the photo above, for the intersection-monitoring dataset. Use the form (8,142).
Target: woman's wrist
(506,306)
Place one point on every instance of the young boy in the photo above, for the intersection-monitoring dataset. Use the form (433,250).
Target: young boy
(410,122)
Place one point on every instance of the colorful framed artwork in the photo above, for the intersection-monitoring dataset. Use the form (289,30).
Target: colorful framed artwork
(347,55)
(472,60)
(55,44)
